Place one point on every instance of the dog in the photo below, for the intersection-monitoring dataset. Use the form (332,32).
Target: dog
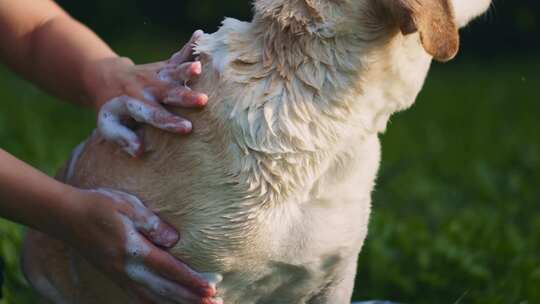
(272,190)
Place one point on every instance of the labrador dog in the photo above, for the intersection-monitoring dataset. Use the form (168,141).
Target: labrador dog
(272,190)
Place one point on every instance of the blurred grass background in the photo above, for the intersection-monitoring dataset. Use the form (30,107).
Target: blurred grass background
(456,214)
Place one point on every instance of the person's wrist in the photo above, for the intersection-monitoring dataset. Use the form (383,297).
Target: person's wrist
(100,80)
(63,219)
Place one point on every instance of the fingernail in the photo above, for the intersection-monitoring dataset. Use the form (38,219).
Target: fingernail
(213,279)
(185,126)
(133,148)
(201,100)
(140,150)
(198,34)
(170,237)
(196,68)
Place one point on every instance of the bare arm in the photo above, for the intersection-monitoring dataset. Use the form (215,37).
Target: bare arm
(104,226)
(25,186)
(44,44)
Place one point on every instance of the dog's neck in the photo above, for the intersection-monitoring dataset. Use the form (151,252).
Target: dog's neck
(294,16)
(308,96)
(328,80)
(347,68)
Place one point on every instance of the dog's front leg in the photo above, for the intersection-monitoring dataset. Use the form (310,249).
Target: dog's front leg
(341,289)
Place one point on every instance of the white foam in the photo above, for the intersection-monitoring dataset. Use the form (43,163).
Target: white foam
(138,110)
(213,278)
(73,161)
(165,76)
(149,95)
(135,245)
(111,128)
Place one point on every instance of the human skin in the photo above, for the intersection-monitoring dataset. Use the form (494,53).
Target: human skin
(39,41)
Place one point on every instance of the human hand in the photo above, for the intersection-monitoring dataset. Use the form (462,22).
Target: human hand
(125,91)
(116,233)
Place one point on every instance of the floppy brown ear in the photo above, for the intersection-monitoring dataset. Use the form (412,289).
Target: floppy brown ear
(434,20)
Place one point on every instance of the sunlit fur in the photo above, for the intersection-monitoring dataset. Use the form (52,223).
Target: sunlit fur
(273,188)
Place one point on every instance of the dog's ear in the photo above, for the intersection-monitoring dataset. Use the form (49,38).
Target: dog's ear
(434,20)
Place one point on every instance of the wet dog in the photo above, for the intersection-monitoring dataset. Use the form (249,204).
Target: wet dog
(273,188)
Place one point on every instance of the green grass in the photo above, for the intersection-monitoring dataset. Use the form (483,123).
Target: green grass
(457,209)
(456,215)
(42,132)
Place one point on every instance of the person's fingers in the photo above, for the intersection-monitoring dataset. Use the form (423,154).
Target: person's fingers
(142,267)
(173,269)
(149,224)
(187,71)
(183,72)
(158,231)
(150,94)
(153,80)
(180,73)
(155,86)
(186,53)
(140,295)
(161,277)
(111,114)
(161,286)
(111,128)
(185,97)
(135,92)
(157,116)
(212,278)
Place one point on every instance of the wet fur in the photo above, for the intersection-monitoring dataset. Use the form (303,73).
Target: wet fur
(273,188)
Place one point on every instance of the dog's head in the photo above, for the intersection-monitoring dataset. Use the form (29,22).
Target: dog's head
(436,21)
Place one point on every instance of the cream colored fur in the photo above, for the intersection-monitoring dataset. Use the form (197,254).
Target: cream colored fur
(273,188)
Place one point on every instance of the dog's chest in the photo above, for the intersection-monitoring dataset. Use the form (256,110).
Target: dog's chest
(294,249)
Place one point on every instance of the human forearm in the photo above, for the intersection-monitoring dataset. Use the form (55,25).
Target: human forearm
(44,44)
(30,197)
(62,54)
(104,226)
